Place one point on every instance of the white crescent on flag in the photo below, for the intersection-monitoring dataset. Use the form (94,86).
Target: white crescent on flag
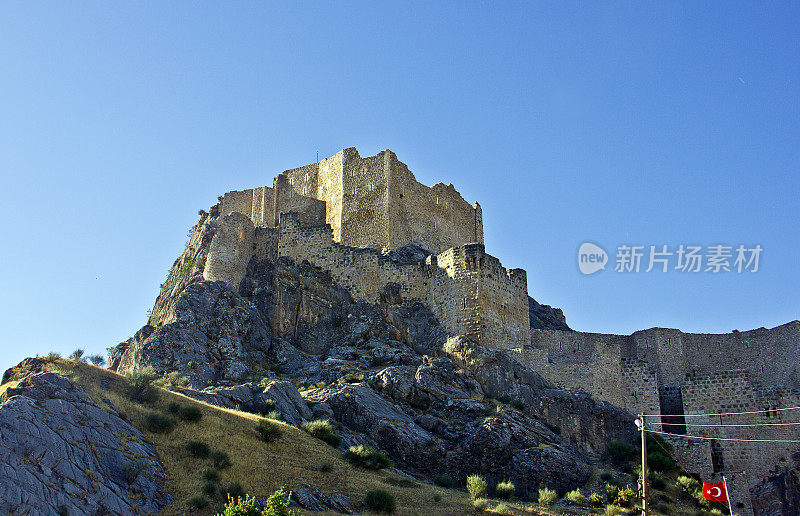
(715,492)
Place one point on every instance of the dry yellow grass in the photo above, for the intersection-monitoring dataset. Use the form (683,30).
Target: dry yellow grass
(261,468)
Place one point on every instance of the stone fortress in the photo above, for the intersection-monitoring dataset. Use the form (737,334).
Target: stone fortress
(346,214)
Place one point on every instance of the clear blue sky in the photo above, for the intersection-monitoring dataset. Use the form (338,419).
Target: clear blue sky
(617,123)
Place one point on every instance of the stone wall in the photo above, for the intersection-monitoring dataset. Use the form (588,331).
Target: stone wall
(231,249)
(368,202)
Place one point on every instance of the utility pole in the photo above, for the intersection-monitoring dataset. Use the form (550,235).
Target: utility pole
(728,495)
(641,425)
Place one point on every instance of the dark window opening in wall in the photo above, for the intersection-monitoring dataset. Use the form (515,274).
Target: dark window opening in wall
(717,459)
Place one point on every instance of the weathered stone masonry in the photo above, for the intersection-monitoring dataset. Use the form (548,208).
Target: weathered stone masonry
(340,213)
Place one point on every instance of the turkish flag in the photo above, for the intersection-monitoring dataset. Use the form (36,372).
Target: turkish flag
(715,492)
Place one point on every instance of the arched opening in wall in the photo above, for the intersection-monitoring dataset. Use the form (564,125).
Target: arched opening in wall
(717,457)
(670,400)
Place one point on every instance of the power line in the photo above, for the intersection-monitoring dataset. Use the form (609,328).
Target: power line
(733,424)
(765,411)
(725,438)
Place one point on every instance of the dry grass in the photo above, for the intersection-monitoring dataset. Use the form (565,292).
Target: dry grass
(260,467)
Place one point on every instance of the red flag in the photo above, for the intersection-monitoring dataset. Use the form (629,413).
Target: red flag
(715,492)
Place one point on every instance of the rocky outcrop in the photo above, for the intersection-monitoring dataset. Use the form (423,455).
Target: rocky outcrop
(778,494)
(545,317)
(59,451)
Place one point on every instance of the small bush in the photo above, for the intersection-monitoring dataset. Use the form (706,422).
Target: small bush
(611,490)
(444,480)
(210,488)
(132,470)
(505,490)
(233,490)
(657,479)
(322,430)
(198,502)
(605,476)
(159,423)
(238,506)
(326,467)
(476,486)
(52,356)
(264,406)
(437,497)
(97,360)
(274,414)
(687,484)
(611,510)
(503,509)
(191,414)
(174,408)
(277,505)
(220,459)
(140,385)
(268,431)
(576,497)
(380,500)
(77,356)
(625,497)
(367,457)
(197,449)
(619,453)
(547,496)
(595,500)
(211,474)
(480,504)
(172,379)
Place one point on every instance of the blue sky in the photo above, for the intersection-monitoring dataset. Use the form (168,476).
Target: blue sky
(620,123)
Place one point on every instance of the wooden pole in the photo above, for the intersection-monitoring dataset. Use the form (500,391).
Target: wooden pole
(645,508)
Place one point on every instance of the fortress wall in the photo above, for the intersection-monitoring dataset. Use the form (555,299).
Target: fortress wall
(503,299)
(436,215)
(262,206)
(289,196)
(237,200)
(453,293)
(230,251)
(265,243)
(638,389)
(364,200)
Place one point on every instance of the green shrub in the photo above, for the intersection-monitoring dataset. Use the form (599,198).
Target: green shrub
(480,504)
(605,476)
(174,408)
(437,497)
(173,379)
(77,356)
(444,480)
(322,430)
(505,490)
(611,490)
(380,500)
(140,385)
(612,509)
(240,506)
(191,414)
(503,509)
(367,457)
(575,496)
(198,502)
(97,360)
(277,504)
(625,497)
(233,490)
(476,486)
(132,470)
(687,485)
(659,456)
(52,356)
(197,449)
(547,496)
(619,453)
(595,500)
(220,459)
(274,414)
(159,423)
(326,467)
(210,488)
(268,431)
(657,479)
(211,474)
(264,406)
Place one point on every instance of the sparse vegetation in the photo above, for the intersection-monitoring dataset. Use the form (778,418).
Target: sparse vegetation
(77,356)
(480,504)
(174,408)
(619,453)
(547,496)
(198,502)
(268,431)
(476,486)
(625,497)
(159,423)
(380,500)
(190,413)
(577,497)
(210,488)
(233,490)
(211,474)
(140,385)
(132,470)
(326,467)
(503,509)
(367,457)
(173,379)
(97,360)
(595,500)
(322,430)
(197,449)
(220,459)
(505,490)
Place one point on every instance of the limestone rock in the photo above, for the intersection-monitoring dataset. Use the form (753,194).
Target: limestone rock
(293,408)
(59,449)
(545,317)
(313,499)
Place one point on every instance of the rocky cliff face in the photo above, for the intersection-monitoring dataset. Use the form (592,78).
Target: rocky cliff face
(386,372)
(61,453)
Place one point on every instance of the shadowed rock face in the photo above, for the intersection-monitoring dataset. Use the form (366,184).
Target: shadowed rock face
(59,449)
(779,494)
